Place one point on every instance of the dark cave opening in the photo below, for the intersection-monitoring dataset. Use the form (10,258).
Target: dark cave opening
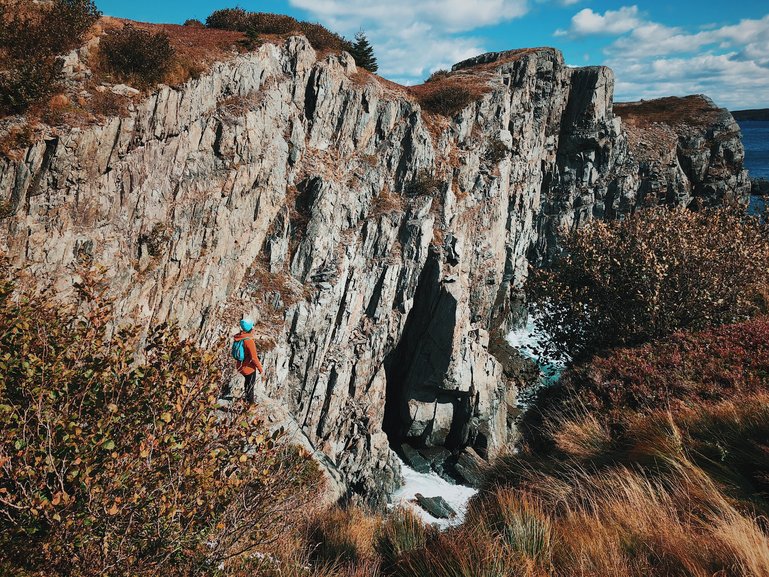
(426,424)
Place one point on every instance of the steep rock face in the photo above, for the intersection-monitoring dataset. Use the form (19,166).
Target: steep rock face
(378,247)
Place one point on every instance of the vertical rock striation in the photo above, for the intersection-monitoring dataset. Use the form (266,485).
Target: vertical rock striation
(378,246)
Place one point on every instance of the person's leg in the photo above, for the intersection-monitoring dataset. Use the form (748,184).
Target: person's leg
(249,392)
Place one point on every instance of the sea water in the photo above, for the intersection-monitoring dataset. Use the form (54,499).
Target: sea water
(755,138)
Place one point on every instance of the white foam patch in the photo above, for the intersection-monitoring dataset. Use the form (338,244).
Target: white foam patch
(432,485)
(529,340)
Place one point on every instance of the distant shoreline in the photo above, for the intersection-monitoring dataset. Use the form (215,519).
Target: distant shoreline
(756,114)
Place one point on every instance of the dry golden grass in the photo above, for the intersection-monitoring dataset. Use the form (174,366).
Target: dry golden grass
(386,202)
(450,95)
(15,139)
(345,536)
(586,438)
(595,510)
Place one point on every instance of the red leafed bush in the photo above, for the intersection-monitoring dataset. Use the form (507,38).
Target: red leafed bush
(683,369)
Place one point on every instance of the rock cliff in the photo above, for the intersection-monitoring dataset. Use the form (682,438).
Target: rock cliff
(378,246)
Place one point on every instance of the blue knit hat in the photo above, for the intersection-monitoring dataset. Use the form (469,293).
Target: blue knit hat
(247,325)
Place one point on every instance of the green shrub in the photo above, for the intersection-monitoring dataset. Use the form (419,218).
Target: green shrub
(46,29)
(448,101)
(137,56)
(114,465)
(496,151)
(322,38)
(447,97)
(661,270)
(240,20)
(29,83)
(268,23)
(194,23)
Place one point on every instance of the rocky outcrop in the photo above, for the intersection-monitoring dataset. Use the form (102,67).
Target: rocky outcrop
(378,247)
(759,187)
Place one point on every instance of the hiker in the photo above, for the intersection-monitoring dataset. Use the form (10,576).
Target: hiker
(244,352)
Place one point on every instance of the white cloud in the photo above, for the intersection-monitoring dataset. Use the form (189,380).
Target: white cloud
(448,15)
(728,63)
(612,22)
(415,37)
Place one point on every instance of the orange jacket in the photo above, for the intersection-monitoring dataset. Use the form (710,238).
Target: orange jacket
(251,362)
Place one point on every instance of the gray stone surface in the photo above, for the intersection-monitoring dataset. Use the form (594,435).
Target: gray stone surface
(414,460)
(290,207)
(471,466)
(436,506)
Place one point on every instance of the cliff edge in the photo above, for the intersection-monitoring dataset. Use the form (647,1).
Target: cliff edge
(379,245)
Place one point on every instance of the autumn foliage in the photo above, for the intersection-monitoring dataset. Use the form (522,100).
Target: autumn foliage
(255,24)
(116,464)
(627,282)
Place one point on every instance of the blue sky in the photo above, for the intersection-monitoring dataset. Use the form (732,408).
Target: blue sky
(656,48)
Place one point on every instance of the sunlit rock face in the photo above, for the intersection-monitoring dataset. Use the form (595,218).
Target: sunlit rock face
(378,246)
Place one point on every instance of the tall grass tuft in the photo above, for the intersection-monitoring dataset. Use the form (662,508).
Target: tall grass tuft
(401,532)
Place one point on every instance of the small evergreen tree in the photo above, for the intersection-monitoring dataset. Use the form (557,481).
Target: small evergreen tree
(363,53)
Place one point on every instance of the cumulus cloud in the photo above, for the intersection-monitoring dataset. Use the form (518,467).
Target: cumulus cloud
(728,62)
(415,37)
(449,15)
(612,22)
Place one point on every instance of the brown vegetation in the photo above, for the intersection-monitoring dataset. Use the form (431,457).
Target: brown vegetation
(683,487)
(256,24)
(424,183)
(106,103)
(671,493)
(17,137)
(449,95)
(31,41)
(685,369)
(136,56)
(386,202)
(675,111)
(195,48)
(438,75)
